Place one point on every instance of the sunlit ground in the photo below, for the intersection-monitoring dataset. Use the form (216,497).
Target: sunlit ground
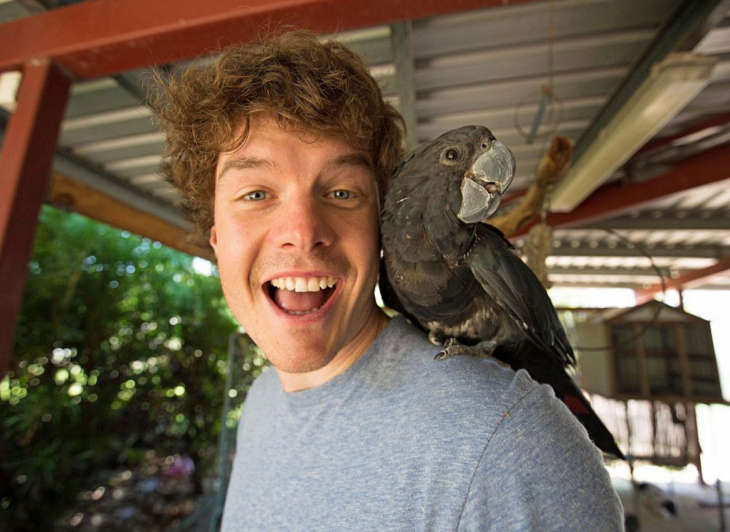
(696,507)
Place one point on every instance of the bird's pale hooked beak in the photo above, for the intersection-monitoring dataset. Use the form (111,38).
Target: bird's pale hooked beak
(485,183)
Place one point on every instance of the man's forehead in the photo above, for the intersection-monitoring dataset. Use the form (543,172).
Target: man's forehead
(258,150)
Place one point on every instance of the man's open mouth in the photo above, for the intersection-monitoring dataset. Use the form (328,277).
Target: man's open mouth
(300,295)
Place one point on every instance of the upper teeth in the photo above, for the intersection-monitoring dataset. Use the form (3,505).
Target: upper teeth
(304,284)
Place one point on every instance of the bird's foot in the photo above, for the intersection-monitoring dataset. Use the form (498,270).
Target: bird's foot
(484,349)
(452,347)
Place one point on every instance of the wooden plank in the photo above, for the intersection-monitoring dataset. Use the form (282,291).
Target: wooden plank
(83,199)
(94,39)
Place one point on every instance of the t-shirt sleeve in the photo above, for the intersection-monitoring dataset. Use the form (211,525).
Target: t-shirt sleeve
(540,471)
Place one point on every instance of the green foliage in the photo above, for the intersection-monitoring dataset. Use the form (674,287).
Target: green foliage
(121,345)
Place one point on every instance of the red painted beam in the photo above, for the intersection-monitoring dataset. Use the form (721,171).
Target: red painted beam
(611,200)
(714,121)
(93,39)
(27,155)
(687,280)
(513,197)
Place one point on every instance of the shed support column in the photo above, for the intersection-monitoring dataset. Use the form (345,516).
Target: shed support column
(25,166)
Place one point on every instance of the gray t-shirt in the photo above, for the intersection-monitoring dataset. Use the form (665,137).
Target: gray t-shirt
(400,441)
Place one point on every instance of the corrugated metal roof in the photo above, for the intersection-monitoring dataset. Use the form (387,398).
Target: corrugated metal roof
(488,67)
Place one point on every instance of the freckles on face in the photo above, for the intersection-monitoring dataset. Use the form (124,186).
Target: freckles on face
(296,238)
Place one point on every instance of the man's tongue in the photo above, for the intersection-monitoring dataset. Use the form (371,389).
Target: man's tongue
(298,301)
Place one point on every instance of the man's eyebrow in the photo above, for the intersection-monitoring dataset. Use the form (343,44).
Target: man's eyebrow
(244,163)
(351,159)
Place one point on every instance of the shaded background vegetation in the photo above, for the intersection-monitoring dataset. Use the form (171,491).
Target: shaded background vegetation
(121,347)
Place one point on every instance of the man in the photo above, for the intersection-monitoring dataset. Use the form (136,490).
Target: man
(282,153)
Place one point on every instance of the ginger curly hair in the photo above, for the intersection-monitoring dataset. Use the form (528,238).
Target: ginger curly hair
(307,85)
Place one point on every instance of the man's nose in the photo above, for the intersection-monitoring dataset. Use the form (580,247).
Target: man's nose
(305,226)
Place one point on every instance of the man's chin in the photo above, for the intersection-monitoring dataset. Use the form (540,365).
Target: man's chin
(300,359)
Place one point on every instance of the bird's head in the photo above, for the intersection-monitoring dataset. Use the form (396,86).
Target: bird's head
(486,167)
(472,167)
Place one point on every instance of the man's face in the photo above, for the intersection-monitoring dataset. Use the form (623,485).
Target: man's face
(295,213)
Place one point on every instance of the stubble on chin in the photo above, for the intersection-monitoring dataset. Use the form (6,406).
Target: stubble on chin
(302,356)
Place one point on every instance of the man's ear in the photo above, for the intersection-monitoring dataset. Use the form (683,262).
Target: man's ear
(214,240)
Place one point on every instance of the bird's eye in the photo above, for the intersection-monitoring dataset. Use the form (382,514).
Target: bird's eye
(451,154)
(256,195)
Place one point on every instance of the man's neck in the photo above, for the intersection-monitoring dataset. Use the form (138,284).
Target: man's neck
(348,355)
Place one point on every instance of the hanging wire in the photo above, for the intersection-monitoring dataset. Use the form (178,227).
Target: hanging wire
(553,112)
(551,42)
(657,309)
(548,104)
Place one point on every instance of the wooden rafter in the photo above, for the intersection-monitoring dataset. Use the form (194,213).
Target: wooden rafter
(94,39)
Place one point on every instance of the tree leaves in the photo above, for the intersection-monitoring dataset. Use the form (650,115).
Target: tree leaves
(121,345)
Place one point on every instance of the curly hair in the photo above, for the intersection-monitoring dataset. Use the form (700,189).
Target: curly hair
(323,88)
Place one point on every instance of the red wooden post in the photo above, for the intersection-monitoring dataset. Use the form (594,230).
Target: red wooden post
(27,155)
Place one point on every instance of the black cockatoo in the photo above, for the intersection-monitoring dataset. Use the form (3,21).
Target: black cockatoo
(460,279)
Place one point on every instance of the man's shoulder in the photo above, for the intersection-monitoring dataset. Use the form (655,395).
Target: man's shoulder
(400,374)
(473,384)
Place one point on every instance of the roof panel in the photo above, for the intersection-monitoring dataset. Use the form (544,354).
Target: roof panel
(108,98)
(511,25)
(12,11)
(107,131)
(508,94)
(124,153)
(568,56)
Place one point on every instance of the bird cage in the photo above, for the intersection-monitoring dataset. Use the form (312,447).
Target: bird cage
(645,368)
(650,352)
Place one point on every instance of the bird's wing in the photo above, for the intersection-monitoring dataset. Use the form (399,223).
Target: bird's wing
(514,287)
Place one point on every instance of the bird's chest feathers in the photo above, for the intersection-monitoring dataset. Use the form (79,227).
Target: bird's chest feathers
(424,278)
(478,323)
(430,211)
(424,242)
(428,230)
(446,234)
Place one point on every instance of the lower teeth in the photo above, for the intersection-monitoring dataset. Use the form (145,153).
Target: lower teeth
(299,312)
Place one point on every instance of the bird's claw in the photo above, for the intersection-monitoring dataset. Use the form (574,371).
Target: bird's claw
(441,355)
(435,338)
(453,348)
(483,349)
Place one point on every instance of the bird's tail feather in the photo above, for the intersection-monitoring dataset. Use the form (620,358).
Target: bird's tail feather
(568,392)
(579,406)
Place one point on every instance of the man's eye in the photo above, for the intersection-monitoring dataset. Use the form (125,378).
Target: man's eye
(256,195)
(341,194)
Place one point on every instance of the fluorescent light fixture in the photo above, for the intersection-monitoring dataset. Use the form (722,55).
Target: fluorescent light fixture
(672,84)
